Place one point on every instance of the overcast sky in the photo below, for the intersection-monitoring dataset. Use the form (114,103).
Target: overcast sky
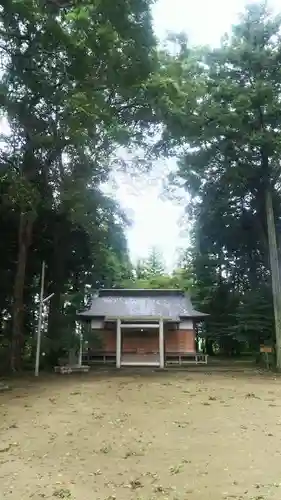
(158,222)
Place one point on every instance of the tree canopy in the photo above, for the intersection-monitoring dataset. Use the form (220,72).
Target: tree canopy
(72,90)
(79,80)
(151,273)
(224,117)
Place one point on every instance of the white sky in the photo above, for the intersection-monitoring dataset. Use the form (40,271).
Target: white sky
(157,222)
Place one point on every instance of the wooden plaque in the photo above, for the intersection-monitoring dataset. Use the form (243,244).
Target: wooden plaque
(265,348)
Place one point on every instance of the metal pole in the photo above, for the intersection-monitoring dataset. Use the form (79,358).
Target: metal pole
(38,344)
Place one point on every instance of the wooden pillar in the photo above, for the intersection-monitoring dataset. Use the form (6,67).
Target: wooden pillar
(80,355)
(118,343)
(161,343)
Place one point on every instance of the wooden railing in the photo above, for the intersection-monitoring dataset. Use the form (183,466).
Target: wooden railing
(171,358)
(99,357)
(184,358)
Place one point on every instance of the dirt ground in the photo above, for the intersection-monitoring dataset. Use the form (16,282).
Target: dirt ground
(178,436)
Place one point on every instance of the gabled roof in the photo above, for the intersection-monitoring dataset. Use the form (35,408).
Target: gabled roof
(113,303)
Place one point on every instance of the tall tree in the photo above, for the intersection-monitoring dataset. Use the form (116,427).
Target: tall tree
(151,273)
(72,89)
(153,265)
(231,128)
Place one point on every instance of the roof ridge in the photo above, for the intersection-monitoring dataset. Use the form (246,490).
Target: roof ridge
(171,304)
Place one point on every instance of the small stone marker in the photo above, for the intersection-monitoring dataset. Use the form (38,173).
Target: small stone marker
(4,387)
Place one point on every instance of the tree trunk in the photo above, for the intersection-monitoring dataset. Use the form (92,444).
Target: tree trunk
(24,241)
(55,322)
(209,347)
(275,272)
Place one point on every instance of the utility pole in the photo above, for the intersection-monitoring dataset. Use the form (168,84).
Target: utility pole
(80,349)
(39,328)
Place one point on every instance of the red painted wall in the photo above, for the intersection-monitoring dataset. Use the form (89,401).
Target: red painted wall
(175,341)
(136,342)
(109,340)
(180,341)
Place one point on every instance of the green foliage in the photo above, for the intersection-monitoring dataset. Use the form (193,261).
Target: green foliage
(152,266)
(230,131)
(150,273)
(73,89)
